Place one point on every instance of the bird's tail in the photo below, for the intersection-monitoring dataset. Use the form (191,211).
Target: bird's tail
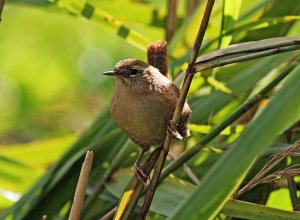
(157,54)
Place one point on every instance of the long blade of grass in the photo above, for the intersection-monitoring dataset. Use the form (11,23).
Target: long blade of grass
(247,51)
(246,210)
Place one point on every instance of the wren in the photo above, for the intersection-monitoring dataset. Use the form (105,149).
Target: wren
(143,104)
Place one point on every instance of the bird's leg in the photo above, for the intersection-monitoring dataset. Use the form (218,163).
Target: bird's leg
(172,129)
(138,170)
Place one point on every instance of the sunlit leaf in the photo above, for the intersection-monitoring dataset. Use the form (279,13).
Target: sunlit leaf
(231,10)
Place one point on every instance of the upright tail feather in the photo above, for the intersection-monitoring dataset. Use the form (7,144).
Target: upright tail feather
(157,54)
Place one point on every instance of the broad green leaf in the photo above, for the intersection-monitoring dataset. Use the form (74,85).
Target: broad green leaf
(22,164)
(248,146)
(39,153)
(16,176)
(4,202)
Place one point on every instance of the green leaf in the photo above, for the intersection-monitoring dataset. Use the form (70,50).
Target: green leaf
(208,199)
(16,176)
(39,153)
(219,85)
(280,199)
(205,129)
(231,10)
(105,21)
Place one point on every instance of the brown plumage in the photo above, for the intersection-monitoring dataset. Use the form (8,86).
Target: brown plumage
(143,103)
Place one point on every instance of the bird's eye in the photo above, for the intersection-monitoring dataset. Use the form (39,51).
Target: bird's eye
(133,72)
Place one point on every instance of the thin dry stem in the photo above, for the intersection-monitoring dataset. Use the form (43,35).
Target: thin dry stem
(189,172)
(110,214)
(81,186)
(186,85)
(281,174)
(274,161)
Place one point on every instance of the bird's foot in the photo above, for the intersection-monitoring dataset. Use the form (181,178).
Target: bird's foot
(139,172)
(172,130)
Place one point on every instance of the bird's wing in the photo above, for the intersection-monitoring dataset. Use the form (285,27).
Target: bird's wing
(184,119)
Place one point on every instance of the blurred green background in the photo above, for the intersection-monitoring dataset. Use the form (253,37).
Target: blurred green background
(51,64)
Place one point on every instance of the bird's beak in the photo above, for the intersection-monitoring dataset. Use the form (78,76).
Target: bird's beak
(110,73)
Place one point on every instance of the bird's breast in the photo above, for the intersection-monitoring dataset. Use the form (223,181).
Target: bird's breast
(143,116)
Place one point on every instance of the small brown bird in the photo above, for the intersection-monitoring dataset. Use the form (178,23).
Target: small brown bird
(143,104)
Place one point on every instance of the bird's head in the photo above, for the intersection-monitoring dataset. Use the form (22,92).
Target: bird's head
(133,72)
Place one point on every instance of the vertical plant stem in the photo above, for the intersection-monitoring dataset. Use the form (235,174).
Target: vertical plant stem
(81,186)
(186,85)
(99,186)
(191,5)
(293,193)
(171,20)
(188,172)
